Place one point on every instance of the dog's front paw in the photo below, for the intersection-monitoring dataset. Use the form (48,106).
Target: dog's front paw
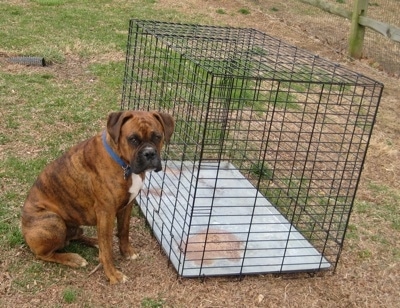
(118,277)
(133,256)
(129,253)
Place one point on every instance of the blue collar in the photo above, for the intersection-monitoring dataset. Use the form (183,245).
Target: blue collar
(116,158)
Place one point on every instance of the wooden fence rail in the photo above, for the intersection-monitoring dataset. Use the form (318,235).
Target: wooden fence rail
(359,21)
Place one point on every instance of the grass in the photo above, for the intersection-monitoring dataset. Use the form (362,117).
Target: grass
(244,11)
(152,303)
(70,295)
(383,212)
(389,200)
(262,171)
(232,82)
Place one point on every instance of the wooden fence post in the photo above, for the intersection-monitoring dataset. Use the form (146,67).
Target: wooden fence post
(357,31)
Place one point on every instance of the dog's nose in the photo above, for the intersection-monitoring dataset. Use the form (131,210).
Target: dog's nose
(149,153)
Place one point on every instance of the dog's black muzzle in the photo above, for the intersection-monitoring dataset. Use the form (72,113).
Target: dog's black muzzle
(147,159)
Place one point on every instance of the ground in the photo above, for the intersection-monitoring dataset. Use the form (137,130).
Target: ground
(368,271)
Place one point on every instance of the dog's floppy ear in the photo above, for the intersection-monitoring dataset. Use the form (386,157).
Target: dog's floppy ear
(167,122)
(114,123)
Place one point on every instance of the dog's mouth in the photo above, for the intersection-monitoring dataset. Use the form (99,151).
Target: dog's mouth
(138,168)
(146,160)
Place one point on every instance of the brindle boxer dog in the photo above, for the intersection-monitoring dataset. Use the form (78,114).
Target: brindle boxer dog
(92,184)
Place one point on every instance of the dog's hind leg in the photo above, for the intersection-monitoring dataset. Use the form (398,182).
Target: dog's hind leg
(76,234)
(45,234)
(66,258)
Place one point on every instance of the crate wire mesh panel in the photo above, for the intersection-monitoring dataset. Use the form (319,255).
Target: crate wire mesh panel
(267,153)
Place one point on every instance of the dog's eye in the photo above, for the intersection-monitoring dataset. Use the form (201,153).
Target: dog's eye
(156,138)
(134,140)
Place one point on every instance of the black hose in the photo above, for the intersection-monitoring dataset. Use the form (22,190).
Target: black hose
(36,61)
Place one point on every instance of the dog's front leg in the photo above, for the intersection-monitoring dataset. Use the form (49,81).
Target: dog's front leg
(105,224)
(123,219)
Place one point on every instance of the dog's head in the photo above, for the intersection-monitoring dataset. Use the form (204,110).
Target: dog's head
(138,137)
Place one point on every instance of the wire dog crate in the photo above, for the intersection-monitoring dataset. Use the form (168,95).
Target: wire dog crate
(267,153)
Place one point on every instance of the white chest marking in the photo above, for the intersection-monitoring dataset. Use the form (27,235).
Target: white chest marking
(137,184)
